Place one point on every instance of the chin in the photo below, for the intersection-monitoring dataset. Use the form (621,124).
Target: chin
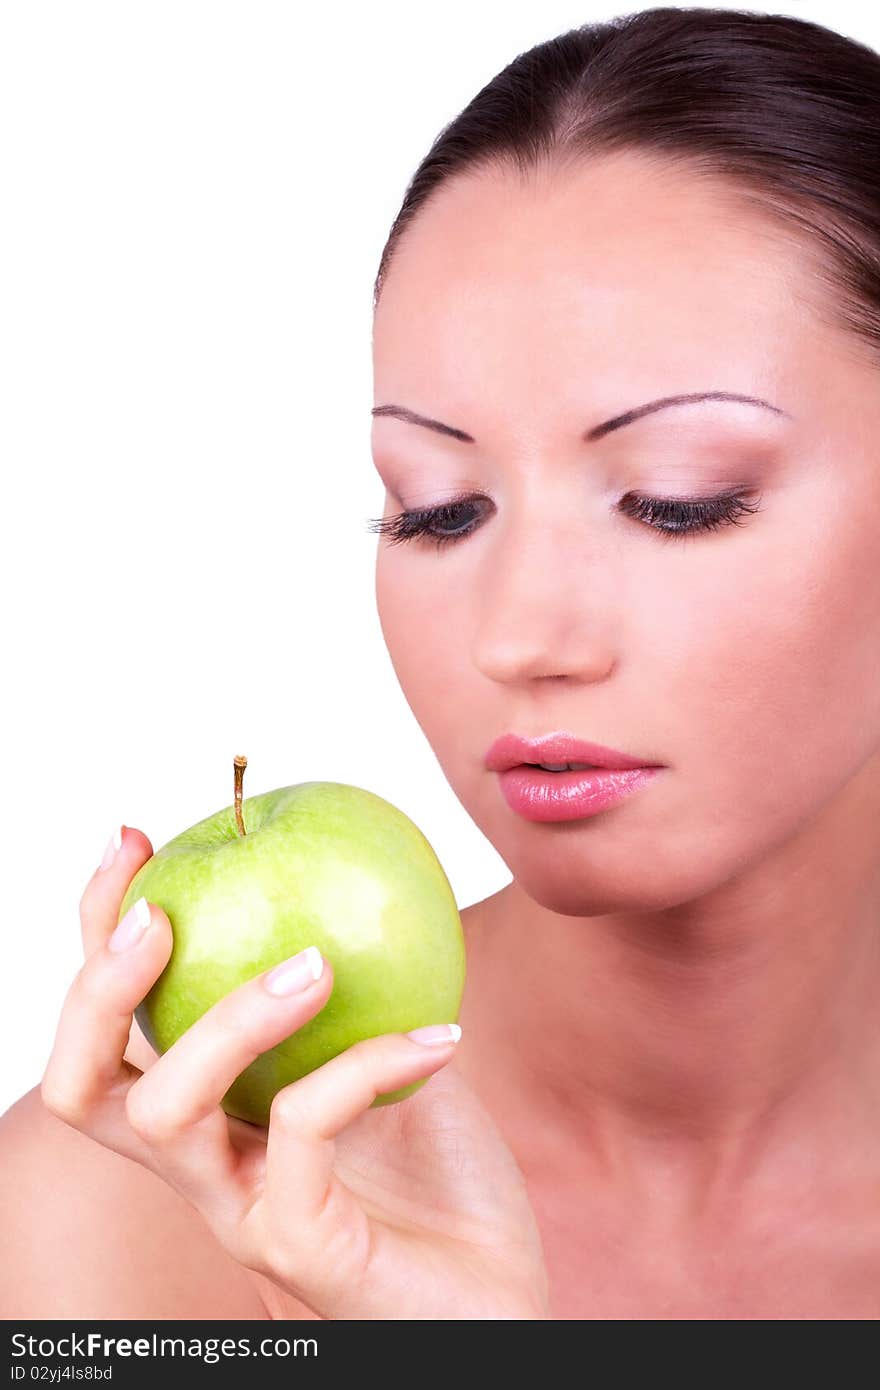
(588,898)
(597,900)
(568,878)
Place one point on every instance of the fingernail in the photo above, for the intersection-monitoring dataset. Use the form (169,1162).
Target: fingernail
(132,926)
(296,973)
(436,1033)
(113,847)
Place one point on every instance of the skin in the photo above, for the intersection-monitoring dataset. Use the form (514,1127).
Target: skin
(673,1004)
(669,1026)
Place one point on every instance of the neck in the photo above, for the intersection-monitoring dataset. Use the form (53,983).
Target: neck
(720,1020)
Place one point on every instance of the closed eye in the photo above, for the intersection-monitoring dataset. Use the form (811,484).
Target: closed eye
(672,517)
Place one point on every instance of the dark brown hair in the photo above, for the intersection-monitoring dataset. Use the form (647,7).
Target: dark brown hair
(781,114)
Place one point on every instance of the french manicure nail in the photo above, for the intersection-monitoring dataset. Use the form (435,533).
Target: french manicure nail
(132,926)
(436,1033)
(295,973)
(114,845)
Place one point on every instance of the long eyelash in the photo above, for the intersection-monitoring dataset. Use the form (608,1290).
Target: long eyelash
(676,518)
(414,524)
(671,517)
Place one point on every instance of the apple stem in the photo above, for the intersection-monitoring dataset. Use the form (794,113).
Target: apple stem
(239,763)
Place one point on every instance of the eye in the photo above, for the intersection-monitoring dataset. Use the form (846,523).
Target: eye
(673,517)
(423,523)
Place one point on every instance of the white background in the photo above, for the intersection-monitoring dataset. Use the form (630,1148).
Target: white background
(195,196)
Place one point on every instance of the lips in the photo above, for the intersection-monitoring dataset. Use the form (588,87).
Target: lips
(512,750)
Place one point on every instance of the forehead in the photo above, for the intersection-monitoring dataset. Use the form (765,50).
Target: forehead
(635,272)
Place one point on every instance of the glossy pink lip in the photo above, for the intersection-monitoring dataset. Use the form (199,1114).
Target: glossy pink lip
(510,750)
(554,796)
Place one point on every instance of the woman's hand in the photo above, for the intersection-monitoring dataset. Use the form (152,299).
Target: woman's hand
(410,1210)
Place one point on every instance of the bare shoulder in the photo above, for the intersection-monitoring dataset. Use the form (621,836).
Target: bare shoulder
(89,1234)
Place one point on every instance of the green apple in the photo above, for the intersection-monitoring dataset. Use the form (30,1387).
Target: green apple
(318,864)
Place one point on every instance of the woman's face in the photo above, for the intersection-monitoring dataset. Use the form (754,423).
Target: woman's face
(746,659)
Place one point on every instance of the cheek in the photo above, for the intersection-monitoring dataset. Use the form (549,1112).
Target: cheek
(427,642)
(775,693)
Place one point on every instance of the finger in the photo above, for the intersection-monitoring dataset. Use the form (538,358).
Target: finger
(189,1081)
(86,1078)
(305,1213)
(88,1084)
(139,1052)
(103,894)
(175,1109)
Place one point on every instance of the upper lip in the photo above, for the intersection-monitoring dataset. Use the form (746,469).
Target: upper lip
(512,749)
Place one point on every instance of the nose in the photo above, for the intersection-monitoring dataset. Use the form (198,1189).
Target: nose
(544,606)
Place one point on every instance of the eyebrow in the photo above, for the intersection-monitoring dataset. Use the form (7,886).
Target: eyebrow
(411,417)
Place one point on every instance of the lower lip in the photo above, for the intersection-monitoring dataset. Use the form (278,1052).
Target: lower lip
(553,796)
